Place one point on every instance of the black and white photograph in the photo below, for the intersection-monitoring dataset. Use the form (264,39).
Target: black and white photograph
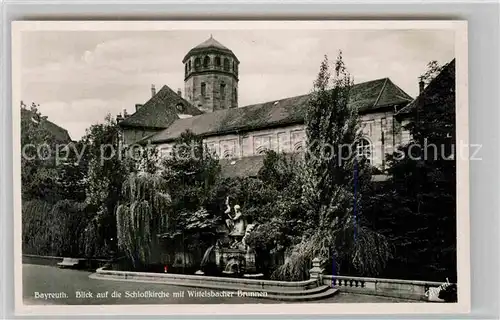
(265,165)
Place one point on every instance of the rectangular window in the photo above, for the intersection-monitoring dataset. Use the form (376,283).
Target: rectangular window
(247,146)
(203,89)
(212,148)
(283,142)
(222,91)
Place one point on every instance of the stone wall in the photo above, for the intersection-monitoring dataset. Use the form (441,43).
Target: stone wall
(211,81)
(211,92)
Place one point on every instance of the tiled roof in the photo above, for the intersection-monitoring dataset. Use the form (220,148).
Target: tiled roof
(160,111)
(242,167)
(250,166)
(209,45)
(367,96)
(432,88)
(58,133)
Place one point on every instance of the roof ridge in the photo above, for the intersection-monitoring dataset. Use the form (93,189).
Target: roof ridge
(380,93)
(404,94)
(286,98)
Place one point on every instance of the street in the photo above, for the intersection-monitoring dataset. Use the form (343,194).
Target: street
(51,285)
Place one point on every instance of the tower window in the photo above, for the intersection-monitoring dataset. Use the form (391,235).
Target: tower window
(217,61)
(206,61)
(235,95)
(222,91)
(197,62)
(189,65)
(203,89)
(186,69)
(226,64)
(234,66)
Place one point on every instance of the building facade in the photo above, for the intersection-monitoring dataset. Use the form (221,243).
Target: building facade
(240,135)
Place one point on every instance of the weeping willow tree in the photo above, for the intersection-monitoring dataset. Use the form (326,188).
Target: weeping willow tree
(332,176)
(36,228)
(145,208)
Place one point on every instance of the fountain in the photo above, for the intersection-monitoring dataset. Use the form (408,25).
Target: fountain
(232,254)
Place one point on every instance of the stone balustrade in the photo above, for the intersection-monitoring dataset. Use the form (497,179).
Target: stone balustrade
(397,288)
(407,289)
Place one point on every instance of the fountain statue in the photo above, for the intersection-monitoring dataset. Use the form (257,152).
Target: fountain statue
(232,254)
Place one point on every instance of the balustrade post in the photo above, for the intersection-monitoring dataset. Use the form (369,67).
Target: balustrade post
(317,270)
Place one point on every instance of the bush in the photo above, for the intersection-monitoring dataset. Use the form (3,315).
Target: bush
(53,230)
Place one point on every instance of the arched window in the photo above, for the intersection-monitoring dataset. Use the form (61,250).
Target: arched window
(227,154)
(261,150)
(364,149)
(217,61)
(298,146)
(261,144)
(206,61)
(226,64)
(197,62)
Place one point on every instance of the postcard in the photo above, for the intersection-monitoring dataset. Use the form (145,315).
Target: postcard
(241,167)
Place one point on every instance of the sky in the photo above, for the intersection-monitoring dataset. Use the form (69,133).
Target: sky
(78,77)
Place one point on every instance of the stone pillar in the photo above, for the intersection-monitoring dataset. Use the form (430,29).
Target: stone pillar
(250,262)
(316,272)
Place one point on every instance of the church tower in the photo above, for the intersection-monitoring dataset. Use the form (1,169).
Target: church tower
(211,76)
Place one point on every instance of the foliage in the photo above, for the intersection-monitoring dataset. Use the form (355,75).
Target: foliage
(139,217)
(190,172)
(69,221)
(192,176)
(416,209)
(71,179)
(107,170)
(38,167)
(36,230)
(54,229)
(433,69)
(172,200)
(330,176)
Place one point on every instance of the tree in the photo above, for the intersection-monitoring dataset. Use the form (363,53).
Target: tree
(38,147)
(191,175)
(146,207)
(433,69)
(54,229)
(107,168)
(72,170)
(335,231)
(417,207)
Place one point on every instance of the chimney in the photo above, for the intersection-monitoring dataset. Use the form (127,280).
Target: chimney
(421,86)
(179,92)
(153,90)
(137,106)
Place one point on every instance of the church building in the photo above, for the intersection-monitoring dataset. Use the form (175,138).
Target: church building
(240,135)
